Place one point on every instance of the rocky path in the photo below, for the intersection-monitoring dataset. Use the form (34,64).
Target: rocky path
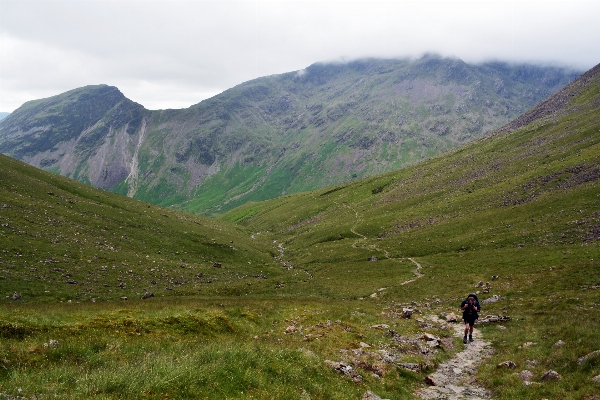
(455,379)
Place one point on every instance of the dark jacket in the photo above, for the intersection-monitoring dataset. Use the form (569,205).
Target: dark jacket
(470,312)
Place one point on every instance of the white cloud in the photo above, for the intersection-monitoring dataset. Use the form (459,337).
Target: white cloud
(170,54)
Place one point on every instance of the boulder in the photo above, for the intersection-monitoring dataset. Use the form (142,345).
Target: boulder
(591,356)
(551,376)
(345,369)
(15,296)
(492,299)
(527,344)
(406,313)
(526,375)
(371,396)
(451,317)
(507,364)
(380,326)
(147,295)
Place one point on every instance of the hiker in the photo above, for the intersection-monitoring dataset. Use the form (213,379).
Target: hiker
(470,307)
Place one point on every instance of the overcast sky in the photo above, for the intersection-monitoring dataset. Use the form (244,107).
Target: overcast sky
(172,54)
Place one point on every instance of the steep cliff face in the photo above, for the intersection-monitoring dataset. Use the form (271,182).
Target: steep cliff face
(85,133)
(327,124)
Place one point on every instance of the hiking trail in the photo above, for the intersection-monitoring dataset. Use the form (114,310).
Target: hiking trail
(456,378)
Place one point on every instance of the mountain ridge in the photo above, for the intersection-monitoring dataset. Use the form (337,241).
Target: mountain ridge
(324,125)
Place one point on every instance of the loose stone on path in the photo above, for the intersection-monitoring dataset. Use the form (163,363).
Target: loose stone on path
(455,378)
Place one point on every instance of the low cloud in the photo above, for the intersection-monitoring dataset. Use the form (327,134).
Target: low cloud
(174,54)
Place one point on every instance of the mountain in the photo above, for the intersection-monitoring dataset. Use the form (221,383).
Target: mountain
(321,126)
(545,160)
(4,115)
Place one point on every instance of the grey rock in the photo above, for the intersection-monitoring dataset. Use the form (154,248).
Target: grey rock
(15,296)
(551,376)
(380,326)
(451,317)
(559,343)
(495,298)
(410,366)
(147,295)
(526,375)
(345,369)
(507,364)
(596,379)
(371,396)
(591,356)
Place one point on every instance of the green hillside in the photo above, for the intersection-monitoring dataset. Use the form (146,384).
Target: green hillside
(60,239)
(522,205)
(324,125)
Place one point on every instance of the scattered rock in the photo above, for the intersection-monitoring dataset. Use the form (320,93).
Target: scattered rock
(364,345)
(373,296)
(526,375)
(559,343)
(507,364)
(493,299)
(410,366)
(493,318)
(72,282)
(345,369)
(371,396)
(15,296)
(532,363)
(527,344)
(373,258)
(430,380)
(596,379)
(495,277)
(217,265)
(591,356)
(479,284)
(123,297)
(407,313)
(380,326)
(52,344)
(551,376)
(290,329)
(147,295)
(451,317)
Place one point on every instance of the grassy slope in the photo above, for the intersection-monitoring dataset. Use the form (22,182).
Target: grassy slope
(522,205)
(54,230)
